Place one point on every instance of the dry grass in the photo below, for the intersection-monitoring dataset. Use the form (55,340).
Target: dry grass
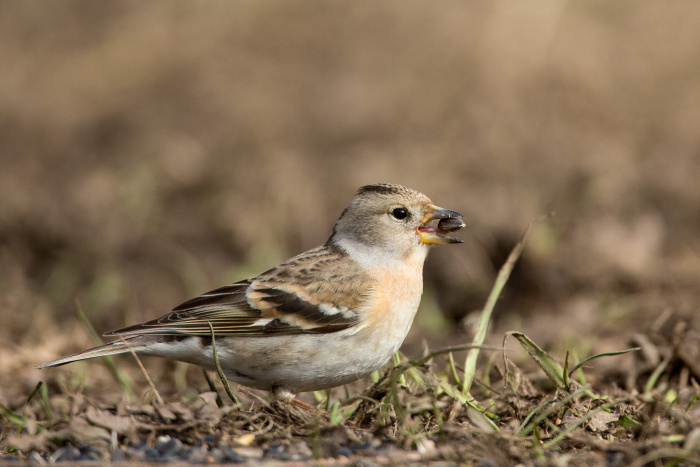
(414,414)
(154,151)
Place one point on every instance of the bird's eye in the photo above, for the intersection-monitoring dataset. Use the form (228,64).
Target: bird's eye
(399,213)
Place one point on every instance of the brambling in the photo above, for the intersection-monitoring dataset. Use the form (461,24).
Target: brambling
(324,318)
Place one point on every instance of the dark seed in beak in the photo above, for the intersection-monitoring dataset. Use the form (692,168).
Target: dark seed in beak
(450,224)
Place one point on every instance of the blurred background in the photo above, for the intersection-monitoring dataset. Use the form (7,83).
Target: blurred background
(151,151)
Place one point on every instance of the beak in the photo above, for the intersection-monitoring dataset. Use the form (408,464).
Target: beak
(437,235)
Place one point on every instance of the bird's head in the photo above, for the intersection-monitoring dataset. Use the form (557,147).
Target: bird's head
(395,219)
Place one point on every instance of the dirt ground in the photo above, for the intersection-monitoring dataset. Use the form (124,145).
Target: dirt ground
(152,151)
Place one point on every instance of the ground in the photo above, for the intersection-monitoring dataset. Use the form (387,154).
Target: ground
(151,152)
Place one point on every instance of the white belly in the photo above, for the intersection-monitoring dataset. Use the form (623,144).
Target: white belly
(308,362)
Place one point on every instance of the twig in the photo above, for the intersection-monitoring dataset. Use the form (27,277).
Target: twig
(143,369)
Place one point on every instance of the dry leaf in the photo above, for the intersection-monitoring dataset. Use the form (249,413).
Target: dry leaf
(145,409)
(109,421)
(165,413)
(600,421)
(183,413)
(27,442)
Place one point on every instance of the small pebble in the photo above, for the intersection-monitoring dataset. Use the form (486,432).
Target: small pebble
(614,459)
(277,451)
(35,458)
(171,447)
(65,454)
(249,452)
(135,453)
(215,456)
(118,456)
(344,451)
(197,455)
(488,462)
(89,453)
(210,439)
(364,463)
(451,224)
(366,446)
(230,455)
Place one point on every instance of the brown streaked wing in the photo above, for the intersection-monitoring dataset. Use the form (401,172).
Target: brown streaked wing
(292,310)
(230,313)
(226,308)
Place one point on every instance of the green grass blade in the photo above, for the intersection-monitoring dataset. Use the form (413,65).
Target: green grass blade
(13,417)
(118,376)
(34,392)
(212,387)
(533,422)
(552,368)
(565,376)
(219,371)
(336,417)
(485,318)
(448,350)
(532,413)
(453,370)
(45,405)
(656,374)
(605,354)
(397,363)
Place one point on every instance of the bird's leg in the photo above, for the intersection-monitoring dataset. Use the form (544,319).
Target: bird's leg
(283,394)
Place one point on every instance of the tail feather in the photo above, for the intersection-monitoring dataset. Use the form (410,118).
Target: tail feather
(112,348)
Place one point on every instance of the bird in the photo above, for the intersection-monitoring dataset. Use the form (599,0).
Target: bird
(321,319)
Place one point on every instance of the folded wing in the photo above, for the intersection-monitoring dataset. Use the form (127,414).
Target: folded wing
(243,310)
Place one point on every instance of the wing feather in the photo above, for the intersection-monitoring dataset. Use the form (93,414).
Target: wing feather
(278,302)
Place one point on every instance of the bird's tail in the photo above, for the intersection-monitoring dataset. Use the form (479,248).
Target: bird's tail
(112,348)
